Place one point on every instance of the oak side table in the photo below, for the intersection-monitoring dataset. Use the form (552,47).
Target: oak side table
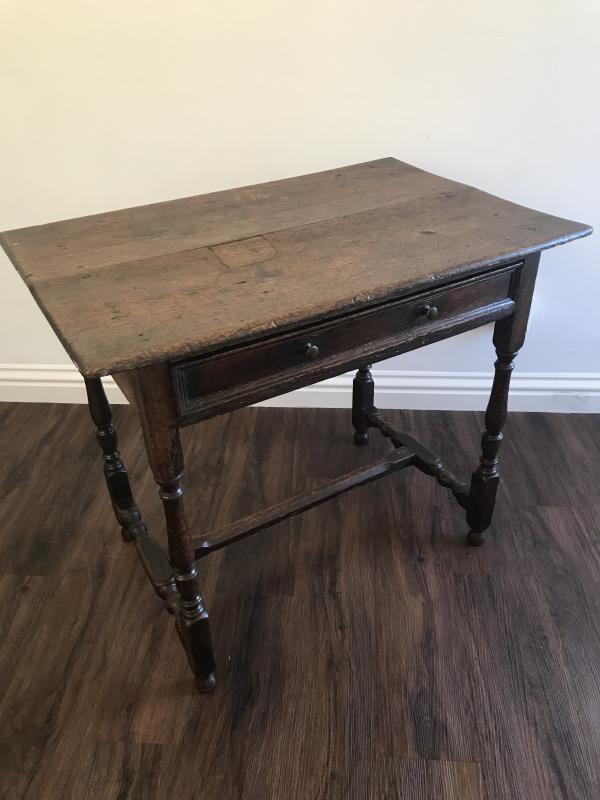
(206,304)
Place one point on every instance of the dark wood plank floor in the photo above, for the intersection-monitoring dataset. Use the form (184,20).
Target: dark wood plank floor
(364,651)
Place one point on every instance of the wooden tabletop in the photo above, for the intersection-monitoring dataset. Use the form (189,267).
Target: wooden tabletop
(161,281)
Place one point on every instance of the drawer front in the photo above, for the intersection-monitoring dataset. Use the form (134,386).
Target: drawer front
(205,381)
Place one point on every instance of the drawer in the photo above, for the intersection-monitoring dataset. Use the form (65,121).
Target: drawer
(267,367)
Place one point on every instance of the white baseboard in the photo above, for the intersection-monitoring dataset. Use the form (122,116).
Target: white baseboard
(459,391)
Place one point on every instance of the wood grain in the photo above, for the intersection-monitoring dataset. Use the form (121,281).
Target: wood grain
(166,280)
(365,652)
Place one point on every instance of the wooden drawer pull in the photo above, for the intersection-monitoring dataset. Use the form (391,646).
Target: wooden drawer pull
(311,350)
(430,312)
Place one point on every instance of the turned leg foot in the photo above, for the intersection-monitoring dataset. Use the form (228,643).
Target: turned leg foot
(193,628)
(361,437)
(117,481)
(474,539)
(363,395)
(197,642)
(206,685)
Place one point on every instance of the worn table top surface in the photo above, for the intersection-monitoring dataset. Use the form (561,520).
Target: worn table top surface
(145,284)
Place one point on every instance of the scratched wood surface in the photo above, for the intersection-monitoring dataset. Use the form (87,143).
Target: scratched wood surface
(365,653)
(131,287)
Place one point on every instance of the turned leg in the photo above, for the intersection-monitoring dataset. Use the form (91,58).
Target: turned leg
(158,419)
(484,482)
(363,394)
(509,336)
(125,509)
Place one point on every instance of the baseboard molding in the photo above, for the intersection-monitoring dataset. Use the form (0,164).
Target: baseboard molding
(459,391)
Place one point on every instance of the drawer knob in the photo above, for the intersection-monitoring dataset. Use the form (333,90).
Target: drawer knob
(430,312)
(311,350)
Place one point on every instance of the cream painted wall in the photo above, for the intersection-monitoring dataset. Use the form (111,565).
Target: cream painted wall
(112,104)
